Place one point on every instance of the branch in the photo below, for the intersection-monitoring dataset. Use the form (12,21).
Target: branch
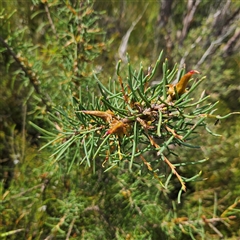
(211,222)
(172,167)
(165,12)
(50,19)
(11,232)
(188,18)
(231,42)
(230,208)
(123,46)
(56,228)
(187,52)
(28,72)
(22,193)
(219,16)
(70,228)
(214,45)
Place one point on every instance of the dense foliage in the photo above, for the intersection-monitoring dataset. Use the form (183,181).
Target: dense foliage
(92,147)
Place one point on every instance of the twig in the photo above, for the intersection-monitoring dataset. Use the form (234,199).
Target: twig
(50,19)
(123,46)
(56,228)
(172,167)
(4,160)
(97,209)
(29,73)
(24,113)
(215,43)
(70,228)
(188,19)
(219,18)
(230,44)
(24,192)
(207,222)
(11,232)
(230,208)
(165,13)
(187,52)
(92,208)
(214,220)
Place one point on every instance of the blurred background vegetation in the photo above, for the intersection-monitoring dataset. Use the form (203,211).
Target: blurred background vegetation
(49,50)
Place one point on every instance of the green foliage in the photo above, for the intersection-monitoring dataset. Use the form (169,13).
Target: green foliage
(126,126)
(55,64)
(117,157)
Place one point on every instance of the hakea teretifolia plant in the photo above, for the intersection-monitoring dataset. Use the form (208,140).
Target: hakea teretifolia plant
(152,111)
(136,122)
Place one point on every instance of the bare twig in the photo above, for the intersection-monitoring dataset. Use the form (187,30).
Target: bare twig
(211,222)
(4,160)
(231,42)
(207,222)
(219,18)
(186,53)
(50,19)
(70,228)
(92,208)
(203,220)
(214,45)
(165,12)
(192,7)
(123,46)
